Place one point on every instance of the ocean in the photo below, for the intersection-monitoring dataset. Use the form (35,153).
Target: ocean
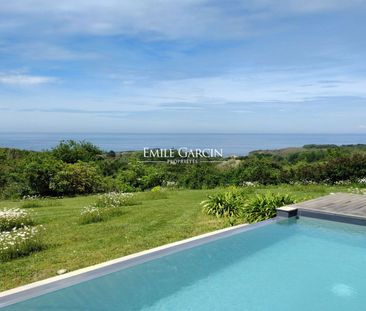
(231,144)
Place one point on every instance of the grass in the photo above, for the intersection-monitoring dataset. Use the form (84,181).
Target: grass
(40,203)
(174,216)
(31,204)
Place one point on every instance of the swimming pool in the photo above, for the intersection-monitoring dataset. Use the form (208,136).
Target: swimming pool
(288,264)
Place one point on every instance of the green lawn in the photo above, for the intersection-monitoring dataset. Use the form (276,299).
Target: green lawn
(152,223)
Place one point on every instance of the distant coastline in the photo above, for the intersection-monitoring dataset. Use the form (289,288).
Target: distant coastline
(232,144)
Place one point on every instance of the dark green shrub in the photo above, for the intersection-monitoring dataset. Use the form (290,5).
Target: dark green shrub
(306,172)
(224,204)
(71,151)
(38,172)
(201,176)
(263,206)
(264,171)
(15,190)
(139,177)
(342,168)
(77,178)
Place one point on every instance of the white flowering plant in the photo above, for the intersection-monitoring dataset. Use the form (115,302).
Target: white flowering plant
(106,206)
(90,214)
(14,218)
(356,190)
(30,197)
(115,199)
(343,183)
(249,184)
(20,242)
(93,213)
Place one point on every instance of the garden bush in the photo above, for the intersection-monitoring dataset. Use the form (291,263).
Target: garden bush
(225,204)
(138,176)
(201,176)
(38,171)
(263,206)
(76,178)
(71,151)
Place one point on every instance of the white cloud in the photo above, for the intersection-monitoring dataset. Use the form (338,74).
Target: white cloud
(303,6)
(24,80)
(47,51)
(243,89)
(282,86)
(155,18)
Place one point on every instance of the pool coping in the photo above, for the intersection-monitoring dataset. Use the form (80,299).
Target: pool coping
(55,283)
(298,211)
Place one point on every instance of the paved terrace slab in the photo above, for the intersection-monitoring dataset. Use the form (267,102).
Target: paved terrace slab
(343,207)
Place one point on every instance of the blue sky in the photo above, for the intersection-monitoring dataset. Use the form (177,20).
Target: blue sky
(284,66)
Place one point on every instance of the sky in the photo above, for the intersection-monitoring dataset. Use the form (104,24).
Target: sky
(187,66)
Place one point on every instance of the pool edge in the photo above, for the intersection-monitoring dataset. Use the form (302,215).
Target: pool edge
(298,211)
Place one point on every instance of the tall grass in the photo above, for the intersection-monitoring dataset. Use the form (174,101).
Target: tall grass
(106,206)
(31,204)
(152,195)
(93,214)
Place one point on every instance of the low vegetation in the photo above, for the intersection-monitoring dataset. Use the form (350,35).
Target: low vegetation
(31,204)
(239,205)
(263,206)
(91,214)
(11,218)
(75,168)
(20,242)
(115,200)
(17,235)
(106,206)
(224,204)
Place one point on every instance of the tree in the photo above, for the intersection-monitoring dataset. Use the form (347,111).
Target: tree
(76,178)
(38,171)
(71,151)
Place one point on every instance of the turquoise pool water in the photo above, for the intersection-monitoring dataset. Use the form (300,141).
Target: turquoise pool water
(303,264)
